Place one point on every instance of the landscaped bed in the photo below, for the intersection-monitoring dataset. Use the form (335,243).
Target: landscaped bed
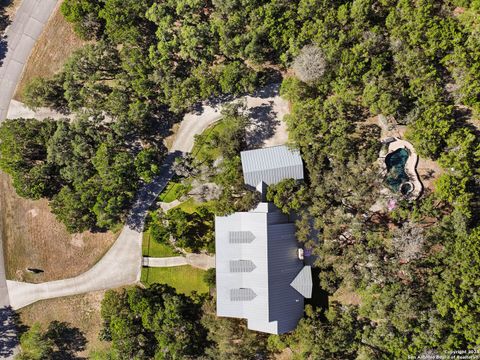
(184,279)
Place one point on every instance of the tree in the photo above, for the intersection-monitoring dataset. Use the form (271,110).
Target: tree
(59,341)
(288,195)
(35,345)
(337,336)
(210,278)
(231,139)
(84,14)
(230,338)
(153,322)
(147,163)
(310,64)
(456,285)
(40,92)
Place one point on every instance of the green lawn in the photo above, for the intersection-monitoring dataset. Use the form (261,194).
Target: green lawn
(200,151)
(184,279)
(190,206)
(172,192)
(154,249)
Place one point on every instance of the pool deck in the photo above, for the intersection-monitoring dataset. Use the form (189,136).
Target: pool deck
(410,166)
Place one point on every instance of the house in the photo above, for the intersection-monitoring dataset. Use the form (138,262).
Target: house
(271,165)
(260,272)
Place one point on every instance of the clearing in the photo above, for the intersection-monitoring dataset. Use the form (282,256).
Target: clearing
(32,237)
(184,279)
(80,311)
(56,43)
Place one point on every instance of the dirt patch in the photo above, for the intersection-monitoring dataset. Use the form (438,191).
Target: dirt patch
(32,237)
(80,311)
(56,43)
(429,171)
(346,297)
(169,140)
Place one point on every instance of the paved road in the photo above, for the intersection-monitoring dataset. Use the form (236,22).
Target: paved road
(21,36)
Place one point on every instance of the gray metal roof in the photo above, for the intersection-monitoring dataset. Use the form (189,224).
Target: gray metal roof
(303,282)
(271,165)
(260,292)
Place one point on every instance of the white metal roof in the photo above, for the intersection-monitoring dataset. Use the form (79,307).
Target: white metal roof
(271,165)
(253,278)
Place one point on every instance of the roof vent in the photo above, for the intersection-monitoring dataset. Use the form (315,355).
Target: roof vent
(237,266)
(242,294)
(240,237)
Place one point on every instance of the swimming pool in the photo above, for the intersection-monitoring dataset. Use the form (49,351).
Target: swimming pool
(397,179)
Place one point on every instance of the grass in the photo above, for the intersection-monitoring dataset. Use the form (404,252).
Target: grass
(154,249)
(54,46)
(81,311)
(190,205)
(201,151)
(33,237)
(184,279)
(172,192)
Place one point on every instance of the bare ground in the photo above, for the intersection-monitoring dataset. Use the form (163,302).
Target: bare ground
(80,311)
(429,171)
(32,237)
(57,42)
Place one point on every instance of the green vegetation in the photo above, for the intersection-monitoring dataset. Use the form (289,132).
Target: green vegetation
(191,231)
(155,322)
(416,268)
(83,167)
(173,191)
(203,148)
(153,248)
(59,341)
(185,279)
(189,206)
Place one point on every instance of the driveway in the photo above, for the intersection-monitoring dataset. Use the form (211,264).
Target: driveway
(122,264)
(21,36)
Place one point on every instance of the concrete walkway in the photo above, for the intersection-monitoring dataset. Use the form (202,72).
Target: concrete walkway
(18,109)
(201,261)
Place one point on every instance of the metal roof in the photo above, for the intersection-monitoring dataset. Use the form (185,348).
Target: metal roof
(271,165)
(253,278)
(303,282)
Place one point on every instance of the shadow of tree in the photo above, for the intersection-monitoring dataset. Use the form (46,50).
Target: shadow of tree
(4,22)
(10,328)
(149,192)
(68,340)
(264,121)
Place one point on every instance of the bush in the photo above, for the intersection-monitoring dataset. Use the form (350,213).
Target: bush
(210,278)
